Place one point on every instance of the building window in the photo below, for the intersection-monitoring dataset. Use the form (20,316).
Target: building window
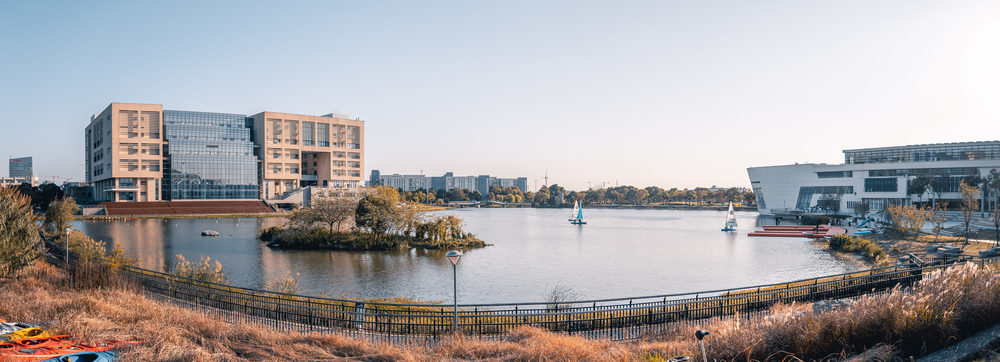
(883,184)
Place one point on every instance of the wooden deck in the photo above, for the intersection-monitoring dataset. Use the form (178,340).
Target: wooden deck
(799,231)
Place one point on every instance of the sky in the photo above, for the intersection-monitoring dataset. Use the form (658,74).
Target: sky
(644,93)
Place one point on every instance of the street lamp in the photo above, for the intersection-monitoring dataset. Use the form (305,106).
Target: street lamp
(67,247)
(454,256)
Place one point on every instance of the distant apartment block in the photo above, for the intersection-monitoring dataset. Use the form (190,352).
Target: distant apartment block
(17,181)
(140,152)
(448,181)
(20,167)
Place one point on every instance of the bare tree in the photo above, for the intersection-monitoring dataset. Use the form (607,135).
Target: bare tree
(993,185)
(969,205)
(938,217)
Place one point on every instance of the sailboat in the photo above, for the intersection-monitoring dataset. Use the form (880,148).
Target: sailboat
(730,220)
(577,217)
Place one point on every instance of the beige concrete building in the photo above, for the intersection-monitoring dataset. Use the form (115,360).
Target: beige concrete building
(139,152)
(123,151)
(299,151)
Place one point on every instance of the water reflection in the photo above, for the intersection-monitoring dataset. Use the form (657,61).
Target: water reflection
(619,253)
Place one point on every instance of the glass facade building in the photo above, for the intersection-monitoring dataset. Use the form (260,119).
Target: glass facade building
(926,153)
(209,156)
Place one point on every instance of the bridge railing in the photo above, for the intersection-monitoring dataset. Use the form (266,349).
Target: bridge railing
(603,317)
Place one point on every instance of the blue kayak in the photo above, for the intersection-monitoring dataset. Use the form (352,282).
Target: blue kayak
(106,356)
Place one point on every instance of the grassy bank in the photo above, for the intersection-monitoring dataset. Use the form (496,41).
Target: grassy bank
(320,238)
(945,307)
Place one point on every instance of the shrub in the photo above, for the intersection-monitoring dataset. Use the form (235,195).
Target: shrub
(855,244)
(204,271)
(18,232)
(268,233)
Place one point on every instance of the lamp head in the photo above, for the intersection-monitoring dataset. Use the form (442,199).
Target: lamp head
(454,256)
(701,334)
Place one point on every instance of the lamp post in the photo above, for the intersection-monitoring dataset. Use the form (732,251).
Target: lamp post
(67,247)
(454,257)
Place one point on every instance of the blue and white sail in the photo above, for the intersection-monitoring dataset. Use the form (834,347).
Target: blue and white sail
(731,219)
(577,216)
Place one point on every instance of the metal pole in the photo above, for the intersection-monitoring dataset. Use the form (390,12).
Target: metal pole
(454,273)
(67,247)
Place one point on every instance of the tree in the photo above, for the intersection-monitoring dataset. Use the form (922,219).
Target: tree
(18,232)
(969,205)
(908,219)
(995,217)
(939,185)
(938,218)
(333,211)
(749,198)
(860,209)
(457,194)
(919,184)
(992,184)
(59,214)
(374,211)
(476,195)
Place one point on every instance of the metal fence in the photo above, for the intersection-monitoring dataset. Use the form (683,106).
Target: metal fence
(616,319)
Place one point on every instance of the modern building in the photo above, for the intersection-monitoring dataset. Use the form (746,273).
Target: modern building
(20,167)
(299,150)
(140,152)
(448,181)
(878,177)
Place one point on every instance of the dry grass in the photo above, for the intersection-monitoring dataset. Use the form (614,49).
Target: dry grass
(945,307)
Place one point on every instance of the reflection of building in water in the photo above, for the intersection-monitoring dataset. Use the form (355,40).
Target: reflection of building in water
(143,239)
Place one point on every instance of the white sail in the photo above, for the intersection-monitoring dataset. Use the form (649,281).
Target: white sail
(731,219)
(576,210)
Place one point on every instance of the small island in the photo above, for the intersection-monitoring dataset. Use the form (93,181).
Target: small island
(370,219)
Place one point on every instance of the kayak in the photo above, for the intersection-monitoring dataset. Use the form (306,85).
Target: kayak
(39,349)
(106,356)
(6,328)
(25,333)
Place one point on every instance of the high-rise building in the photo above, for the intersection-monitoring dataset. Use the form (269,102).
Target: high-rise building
(21,167)
(209,156)
(124,155)
(140,152)
(299,150)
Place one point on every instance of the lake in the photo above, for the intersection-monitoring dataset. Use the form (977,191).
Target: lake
(619,253)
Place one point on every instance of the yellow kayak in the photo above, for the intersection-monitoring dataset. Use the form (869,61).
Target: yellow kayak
(25,333)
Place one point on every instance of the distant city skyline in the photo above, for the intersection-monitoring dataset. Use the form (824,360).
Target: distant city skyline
(644,93)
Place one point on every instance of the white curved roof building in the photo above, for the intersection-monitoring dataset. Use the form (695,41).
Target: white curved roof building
(876,176)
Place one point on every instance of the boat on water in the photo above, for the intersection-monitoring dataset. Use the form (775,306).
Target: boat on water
(731,219)
(577,217)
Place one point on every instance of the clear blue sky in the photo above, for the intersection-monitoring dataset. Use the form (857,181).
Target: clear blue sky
(666,93)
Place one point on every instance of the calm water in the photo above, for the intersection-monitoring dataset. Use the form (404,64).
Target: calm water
(619,253)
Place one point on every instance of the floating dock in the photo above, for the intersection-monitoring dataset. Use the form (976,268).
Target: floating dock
(799,231)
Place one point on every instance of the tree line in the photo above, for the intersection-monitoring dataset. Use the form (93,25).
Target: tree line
(618,195)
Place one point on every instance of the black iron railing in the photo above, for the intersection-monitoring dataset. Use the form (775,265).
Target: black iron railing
(619,318)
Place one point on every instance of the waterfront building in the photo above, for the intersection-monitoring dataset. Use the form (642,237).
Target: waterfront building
(20,167)
(140,152)
(209,156)
(448,181)
(878,177)
(299,150)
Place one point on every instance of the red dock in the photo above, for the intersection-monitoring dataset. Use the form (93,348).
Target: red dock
(799,231)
